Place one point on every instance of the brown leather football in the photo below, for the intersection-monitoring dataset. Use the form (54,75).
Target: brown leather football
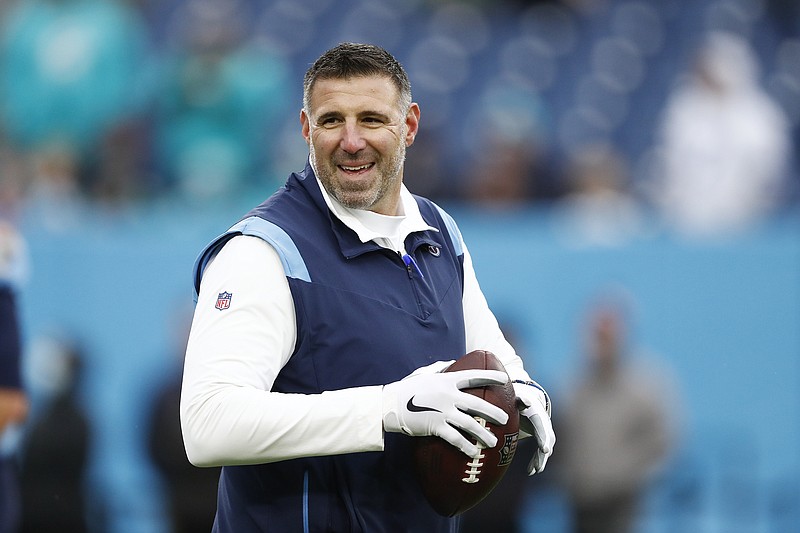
(451,481)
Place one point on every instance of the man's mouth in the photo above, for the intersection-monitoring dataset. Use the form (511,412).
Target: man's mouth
(356,168)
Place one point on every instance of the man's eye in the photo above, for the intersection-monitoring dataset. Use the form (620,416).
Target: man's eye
(329,121)
(372,121)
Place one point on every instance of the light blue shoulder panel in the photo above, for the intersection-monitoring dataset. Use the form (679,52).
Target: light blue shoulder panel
(292,261)
(452,229)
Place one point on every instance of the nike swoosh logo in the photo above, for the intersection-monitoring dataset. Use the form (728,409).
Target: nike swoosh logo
(419,409)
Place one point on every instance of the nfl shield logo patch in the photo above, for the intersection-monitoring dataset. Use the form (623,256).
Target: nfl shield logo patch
(223,301)
(508,449)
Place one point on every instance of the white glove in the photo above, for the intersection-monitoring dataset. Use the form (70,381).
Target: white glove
(426,403)
(534,420)
(433,368)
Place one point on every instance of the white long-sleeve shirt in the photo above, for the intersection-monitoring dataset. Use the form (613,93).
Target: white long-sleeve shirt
(230,416)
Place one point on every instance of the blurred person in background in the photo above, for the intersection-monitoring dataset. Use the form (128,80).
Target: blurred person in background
(725,144)
(12,181)
(220,104)
(599,210)
(616,425)
(507,173)
(428,172)
(71,80)
(57,441)
(13,398)
(510,164)
(191,491)
(52,190)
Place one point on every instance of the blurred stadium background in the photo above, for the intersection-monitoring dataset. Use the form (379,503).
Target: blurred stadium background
(133,132)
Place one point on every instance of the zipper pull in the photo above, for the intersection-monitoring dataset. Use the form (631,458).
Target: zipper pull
(411,264)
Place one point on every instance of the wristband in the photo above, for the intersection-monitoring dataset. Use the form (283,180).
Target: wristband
(535,385)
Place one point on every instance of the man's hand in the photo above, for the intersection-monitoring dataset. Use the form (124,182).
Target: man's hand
(427,403)
(534,420)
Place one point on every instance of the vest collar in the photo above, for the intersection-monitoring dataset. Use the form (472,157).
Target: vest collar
(353,237)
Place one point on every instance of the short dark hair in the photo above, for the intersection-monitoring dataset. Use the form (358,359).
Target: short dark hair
(351,60)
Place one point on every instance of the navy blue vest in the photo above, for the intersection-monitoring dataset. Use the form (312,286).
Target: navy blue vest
(363,318)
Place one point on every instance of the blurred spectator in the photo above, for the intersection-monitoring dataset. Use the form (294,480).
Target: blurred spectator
(56,444)
(616,426)
(52,192)
(725,144)
(13,399)
(13,177)
(191,491)
(509,160)
(506,173)
(599,210)
(428,171)
(71,75)
(121,170)
(221,107)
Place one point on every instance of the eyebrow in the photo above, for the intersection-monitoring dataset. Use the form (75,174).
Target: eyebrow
(337,114)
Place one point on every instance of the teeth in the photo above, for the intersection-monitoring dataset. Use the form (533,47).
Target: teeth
(355,169)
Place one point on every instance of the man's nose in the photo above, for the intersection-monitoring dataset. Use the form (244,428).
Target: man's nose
(352,139)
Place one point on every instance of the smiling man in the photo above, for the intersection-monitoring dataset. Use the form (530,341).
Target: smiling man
(357,139)
(344,298)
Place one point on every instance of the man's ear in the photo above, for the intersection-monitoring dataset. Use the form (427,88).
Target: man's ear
(412,123)
(305,126)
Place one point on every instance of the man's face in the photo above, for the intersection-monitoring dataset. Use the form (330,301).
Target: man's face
(357,135)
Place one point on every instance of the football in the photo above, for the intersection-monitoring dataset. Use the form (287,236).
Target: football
(453,482)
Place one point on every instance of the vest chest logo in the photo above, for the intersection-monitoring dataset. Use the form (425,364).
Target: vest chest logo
(223,301)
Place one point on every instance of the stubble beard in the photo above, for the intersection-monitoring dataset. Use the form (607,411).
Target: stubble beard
(388,172)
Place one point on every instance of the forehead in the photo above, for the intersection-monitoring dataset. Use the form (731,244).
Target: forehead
(377,93)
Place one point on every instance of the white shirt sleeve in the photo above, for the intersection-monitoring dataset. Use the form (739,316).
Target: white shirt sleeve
(228,413)
(483,331)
